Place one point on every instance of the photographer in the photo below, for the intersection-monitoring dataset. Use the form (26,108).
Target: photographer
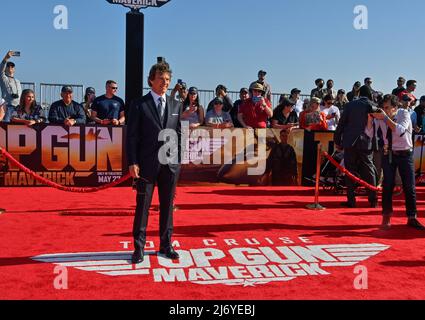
(254,112)
(10,86)
(397,128)
(221,92)
(181,89)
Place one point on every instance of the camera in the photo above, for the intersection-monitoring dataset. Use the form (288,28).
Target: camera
(16,53)
(14,96)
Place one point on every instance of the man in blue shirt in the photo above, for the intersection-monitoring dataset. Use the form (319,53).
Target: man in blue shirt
(66,111)
(108,108)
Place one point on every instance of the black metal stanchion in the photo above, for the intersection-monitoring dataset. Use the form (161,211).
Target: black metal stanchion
(316,205)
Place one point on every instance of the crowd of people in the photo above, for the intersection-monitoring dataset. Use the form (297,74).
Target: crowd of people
(253,109)
(374,131)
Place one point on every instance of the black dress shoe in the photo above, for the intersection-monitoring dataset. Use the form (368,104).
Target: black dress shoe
(170,253)
(386,223)
(137,257)
(414,223)
(348,204)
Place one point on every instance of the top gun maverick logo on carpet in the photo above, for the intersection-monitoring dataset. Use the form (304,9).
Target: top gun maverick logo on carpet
(237,266)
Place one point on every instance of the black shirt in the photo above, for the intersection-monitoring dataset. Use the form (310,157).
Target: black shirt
(282,120)
(108,108)
(59,112)
(397,91)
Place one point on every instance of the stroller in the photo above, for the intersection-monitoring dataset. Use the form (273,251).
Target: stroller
(331,178)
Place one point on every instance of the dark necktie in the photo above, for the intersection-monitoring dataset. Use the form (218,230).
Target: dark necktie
(161,108)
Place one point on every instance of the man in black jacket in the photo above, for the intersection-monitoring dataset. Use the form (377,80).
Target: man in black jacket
(149,163)
(350,136)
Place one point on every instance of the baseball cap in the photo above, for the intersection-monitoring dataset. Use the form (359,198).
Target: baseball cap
(10,64)
(218,101)
(244,90)
(90,90)
(287,102)
(401,79)
(67,89)
(341,91)
(193,90)
(295,90)
(422,98)
(257,86)
(316,100)
(358,84)
(406,98)
(262,72)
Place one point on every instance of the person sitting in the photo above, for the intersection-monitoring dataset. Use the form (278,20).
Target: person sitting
(254,112)
(285,117)
(28,112)
(313,119)
(66,111)
(108,108)
(193,111)
(217,118)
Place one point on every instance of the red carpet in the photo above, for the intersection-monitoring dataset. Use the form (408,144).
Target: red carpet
(235,243)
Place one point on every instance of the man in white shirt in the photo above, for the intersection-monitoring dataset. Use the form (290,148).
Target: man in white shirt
(332,112)
(396,126)
(299,103)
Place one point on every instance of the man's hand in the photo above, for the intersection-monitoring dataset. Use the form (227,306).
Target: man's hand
(70,122)
(31,123)
(134,171)
(115,122)
(8,55)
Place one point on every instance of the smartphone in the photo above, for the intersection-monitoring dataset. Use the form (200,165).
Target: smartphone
(16,53)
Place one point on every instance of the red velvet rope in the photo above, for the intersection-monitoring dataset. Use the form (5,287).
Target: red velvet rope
(56,185)
(350,175)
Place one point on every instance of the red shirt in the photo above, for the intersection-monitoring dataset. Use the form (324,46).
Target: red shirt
(407,93)
(253,114)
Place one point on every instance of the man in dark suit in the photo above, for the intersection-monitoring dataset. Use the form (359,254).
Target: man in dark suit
(150,162)
(351,137)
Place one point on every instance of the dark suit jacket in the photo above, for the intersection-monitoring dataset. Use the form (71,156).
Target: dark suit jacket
(143,129)
(351,126)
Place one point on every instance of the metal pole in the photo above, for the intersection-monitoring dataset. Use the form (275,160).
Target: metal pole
(134,57)
(316,205)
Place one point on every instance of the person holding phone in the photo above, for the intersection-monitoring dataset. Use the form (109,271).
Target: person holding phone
(254,112)
(285,117)
(11,88)
(192,109)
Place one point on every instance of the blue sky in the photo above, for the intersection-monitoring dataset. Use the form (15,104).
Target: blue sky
(211,42)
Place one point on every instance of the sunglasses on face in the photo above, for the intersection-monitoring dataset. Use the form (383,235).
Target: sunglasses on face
(114,88)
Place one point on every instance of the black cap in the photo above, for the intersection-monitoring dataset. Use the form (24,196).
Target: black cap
(183,85)
(67,89)
(218,101)
(406,98)
(262,72)
(193,90)
(295,90)
(401,79)
(341,91)
(422,98)
(287,102)
(10,64)
(90,90)
(357,84)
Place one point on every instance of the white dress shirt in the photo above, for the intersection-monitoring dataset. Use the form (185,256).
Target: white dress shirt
(402,137)
(156,99)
